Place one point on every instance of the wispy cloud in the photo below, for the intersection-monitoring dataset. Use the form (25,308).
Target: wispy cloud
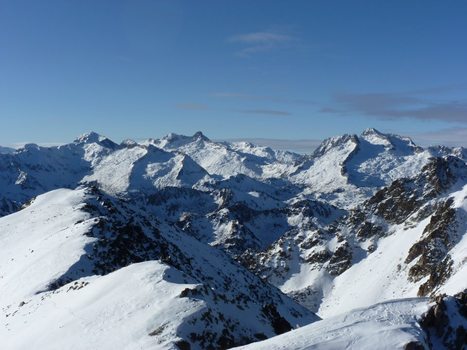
(261,38)
(260,41)
(192,106)
(252,97)
(447,137)
(398,105)
(271,112)
(236,95)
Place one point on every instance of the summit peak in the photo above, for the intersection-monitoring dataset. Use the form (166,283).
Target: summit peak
(90,137)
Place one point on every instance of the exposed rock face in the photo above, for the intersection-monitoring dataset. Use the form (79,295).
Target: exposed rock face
(340,260)
(405,196)
(432,250)
(445,323)
(395,203)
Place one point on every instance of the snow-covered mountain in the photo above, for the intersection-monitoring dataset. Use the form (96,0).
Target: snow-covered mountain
(396,324)
(229,159)
(183,242)
(78,262)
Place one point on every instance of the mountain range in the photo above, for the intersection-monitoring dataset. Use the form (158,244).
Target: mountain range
(187,243)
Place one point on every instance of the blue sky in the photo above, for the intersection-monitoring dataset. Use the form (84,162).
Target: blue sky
(293,70)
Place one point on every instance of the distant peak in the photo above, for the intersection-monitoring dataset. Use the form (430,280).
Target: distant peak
(90,137)
(129,143)
(336,141)
(376,137)
(172,137)
(93,137)
(199,135)
(372,131)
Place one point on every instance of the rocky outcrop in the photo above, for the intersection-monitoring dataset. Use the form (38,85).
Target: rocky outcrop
(434,262)
(445,323)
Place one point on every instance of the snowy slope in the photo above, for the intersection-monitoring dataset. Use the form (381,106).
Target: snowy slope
(136,307)
(228,159)
(40,242)
(145,168)
(389,325)
(78,257)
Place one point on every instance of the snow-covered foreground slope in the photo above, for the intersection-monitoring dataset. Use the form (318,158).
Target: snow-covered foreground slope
(136,307)
(40,242)
(389,325)
(82,267)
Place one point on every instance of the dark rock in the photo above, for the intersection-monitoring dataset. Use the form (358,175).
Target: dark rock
(441,322)
(279,324)
(414,345)
(183,345)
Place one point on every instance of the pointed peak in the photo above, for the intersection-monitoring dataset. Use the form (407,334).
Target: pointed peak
(94,137)
(376,137)
(372,131)
(90,137)
(200,136)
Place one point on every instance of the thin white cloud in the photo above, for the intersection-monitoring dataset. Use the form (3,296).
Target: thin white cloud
(394,106)
(260,41)
(192,106)
(453,137)
(251,97)
(261,38)
(271,112)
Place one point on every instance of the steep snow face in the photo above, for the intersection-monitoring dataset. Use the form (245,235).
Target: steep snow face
(113,172)
(325,175)
(389,325)
(380,159)
(145,168)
